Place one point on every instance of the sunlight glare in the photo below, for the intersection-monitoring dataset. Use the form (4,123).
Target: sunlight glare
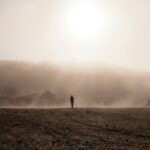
(85,20)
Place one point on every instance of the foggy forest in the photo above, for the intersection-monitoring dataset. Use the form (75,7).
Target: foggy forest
(26,84)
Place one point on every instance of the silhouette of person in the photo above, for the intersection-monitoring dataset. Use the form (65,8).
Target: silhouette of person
(72,101)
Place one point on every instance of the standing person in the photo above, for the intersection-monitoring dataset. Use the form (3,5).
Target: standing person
(72,101)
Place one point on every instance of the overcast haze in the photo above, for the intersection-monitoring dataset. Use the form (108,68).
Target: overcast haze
(47,30)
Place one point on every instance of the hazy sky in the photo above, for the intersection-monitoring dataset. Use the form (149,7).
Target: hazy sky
(112,32)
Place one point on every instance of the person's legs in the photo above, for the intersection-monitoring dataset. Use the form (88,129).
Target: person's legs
(72,104)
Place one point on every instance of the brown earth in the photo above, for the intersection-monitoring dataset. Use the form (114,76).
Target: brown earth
(78,129)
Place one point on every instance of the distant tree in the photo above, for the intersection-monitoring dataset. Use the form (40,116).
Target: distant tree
(8,91)
(49,98)
(148,103)
(47,95)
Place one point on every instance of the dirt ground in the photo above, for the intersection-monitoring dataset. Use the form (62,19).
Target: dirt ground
(78,129)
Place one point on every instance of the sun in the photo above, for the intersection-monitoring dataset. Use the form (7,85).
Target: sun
(85,20)
(82,26)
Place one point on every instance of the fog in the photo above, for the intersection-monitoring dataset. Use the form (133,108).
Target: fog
(26,84)
(49,30)
(82,42)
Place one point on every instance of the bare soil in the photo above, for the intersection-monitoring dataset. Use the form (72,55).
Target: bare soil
(78,129)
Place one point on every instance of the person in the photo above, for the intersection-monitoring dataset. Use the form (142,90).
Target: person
(72,101)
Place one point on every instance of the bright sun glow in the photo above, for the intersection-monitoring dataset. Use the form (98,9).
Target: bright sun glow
(85,20)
